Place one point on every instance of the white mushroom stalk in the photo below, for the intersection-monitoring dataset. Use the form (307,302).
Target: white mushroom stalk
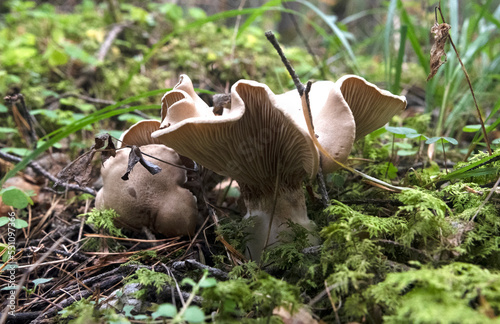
(263,143)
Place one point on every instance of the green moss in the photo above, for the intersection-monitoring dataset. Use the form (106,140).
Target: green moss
(149,279)
(456,293)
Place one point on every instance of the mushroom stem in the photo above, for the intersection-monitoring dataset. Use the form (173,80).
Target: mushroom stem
(271,214)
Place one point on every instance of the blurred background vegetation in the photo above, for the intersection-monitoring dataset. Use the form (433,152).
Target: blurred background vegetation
(60,53)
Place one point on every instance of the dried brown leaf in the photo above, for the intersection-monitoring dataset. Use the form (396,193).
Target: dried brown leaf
(136,156)
(440,32)
(109,150)
(79,170)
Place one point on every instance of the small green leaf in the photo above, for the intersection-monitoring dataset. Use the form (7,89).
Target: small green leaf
(16,198)
(407,152)
(208,282)
(417,136)
(450,140)
(20,223)
(443,139)
(188,281)
(165,310)
(40,281)
(56,56)
(45,112)
(392,171)
(472,128)
(197,13)
(4,220)
(127,309)
(496,141)
(432,140)
(4,253)
(400,130)
(3,109)
(7,130)
(21,151)
(9,288)
(194,314)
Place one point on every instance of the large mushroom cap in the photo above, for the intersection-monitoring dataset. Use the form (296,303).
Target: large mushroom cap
(333,120)
(371,106)
(158,202)
(345,111)
(249,142)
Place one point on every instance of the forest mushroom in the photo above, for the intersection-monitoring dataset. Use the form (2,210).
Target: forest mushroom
(263,143)
(158,202)
(139,134)
(369,106)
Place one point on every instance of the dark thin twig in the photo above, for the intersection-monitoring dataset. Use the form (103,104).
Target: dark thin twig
(195,169)
(272,39)
(302,91)
(319,176)
(40,170)
(469,83)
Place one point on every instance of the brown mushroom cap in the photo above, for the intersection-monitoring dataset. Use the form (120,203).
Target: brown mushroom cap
(249,142)
(157,202)
(140,134)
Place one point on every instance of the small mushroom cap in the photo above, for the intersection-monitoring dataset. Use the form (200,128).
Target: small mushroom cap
(158,202)
(184,90)
(371,106)
(140,134)
(249,142)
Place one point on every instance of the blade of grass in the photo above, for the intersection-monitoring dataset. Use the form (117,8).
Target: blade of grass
(341,35)
(252,17)
(463,172)
(388,32)
(483,10)
(412,37)
(399,61)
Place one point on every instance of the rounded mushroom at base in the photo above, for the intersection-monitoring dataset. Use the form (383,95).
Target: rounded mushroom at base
(157,202)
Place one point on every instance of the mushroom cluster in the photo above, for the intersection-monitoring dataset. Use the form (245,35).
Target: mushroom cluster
(263,143)
(157,202)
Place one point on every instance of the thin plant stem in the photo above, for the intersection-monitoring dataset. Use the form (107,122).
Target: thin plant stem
(470,85)
(444,155)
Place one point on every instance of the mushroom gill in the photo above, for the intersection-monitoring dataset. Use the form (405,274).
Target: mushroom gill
(262,141)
